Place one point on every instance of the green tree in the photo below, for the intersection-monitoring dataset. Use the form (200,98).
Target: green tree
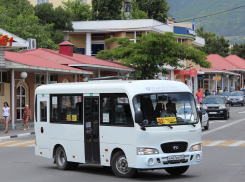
(238,50)
(80,11)
(152,51)
(26,25)
(107,9)
(214,44)
(155,9)
(135,12)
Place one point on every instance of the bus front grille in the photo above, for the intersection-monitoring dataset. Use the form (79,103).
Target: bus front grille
(174,147)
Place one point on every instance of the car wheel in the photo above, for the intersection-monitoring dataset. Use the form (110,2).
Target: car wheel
(207,126)
(242,104)
(119,166)
(61,159)
(229,115)
(231,104)
(226,116)
(177,170)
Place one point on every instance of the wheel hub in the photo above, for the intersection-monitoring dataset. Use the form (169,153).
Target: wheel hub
(122,165)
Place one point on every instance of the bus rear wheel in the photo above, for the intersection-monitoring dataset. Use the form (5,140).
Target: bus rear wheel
(61,159)
(177,170)
(119,166)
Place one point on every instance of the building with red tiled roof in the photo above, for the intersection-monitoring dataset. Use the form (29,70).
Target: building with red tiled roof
(219,75)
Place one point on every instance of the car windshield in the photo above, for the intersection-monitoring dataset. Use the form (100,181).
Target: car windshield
(166,109)
(224,93)
(214,100)
(236,94)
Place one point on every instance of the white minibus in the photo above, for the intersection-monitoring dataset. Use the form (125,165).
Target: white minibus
(126,125)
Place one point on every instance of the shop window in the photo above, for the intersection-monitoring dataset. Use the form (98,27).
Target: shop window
(115,110)
(66,109)
(130,35)
(40,79)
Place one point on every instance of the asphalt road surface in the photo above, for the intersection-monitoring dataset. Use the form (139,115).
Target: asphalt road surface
(223,161)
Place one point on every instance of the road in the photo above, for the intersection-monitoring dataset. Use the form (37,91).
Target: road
(223,148)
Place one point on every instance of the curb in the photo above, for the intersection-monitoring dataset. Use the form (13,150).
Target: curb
(14,136)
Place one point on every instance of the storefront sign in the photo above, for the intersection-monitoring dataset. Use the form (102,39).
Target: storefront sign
(181,72)
(217,78)
(4,41)
(193,72)
(185,32)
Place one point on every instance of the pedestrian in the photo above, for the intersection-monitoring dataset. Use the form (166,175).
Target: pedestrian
(6,115)
(225,89)
(199,95)
(231,88)
(26,117)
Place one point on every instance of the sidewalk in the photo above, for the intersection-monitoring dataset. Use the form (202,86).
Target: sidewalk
(17,132)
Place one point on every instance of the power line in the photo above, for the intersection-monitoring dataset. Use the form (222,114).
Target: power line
(214,13)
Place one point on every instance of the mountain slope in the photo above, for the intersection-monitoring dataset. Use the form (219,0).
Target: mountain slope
(230,24)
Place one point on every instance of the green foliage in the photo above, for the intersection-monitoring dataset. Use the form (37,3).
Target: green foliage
(26,25)
(224,24)
(155,9)
(45,13)
(80,11)
(238,50)
(107,9)
(152,51)
(213,44)
(135,12)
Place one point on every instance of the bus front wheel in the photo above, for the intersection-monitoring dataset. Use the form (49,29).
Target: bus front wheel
(119,166)
(177,170)
(61,159)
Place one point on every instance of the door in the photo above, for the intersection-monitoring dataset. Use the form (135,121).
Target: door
(95,48)
(91,130)
(42,130)
(21,101)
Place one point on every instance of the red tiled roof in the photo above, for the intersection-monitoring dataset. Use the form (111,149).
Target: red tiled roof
(218,63)
(54,56)
(65,43)
(237,61)
(31,60)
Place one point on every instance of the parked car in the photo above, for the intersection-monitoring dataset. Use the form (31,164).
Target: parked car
(225,94)
(203,115)
(216,106)
(236,98)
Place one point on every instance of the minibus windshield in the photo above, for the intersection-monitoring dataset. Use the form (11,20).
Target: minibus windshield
(166,108)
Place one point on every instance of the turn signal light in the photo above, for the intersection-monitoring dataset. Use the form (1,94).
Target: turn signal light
(73,156)
(41,153)
(106,150)
(106,160)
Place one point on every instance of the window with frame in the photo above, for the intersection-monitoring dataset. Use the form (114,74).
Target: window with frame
(115,109)
(43,111)
(66,109)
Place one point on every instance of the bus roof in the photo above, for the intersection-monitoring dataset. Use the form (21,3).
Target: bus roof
(131,87)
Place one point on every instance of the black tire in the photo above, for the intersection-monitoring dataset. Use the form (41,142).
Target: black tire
(119,166)
(226,116)
(207,126)
(61,159)
(231,104)
(242,104)
(229,115)
(177,170)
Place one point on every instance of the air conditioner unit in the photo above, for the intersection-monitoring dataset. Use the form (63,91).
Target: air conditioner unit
(50,82)
(32,44)
(110,36)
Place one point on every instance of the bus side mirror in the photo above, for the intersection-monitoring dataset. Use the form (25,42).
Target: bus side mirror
(138,117)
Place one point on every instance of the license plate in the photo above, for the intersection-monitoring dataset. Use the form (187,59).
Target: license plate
(212,112)
(176,158)
(234,101)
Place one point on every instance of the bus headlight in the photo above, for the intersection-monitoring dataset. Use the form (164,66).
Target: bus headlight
(146,151)
(196,147)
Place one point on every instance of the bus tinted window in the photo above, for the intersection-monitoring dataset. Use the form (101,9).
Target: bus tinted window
(115,109)
(66,108)
(43,111)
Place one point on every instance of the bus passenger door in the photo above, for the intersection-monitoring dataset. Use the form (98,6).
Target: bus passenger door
(91,130)
(42,129)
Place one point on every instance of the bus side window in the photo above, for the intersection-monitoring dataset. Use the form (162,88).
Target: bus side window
(106,108)
(43,111)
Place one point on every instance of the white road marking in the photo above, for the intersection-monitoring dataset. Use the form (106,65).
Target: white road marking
(224,126)
(236,144)
(215,143)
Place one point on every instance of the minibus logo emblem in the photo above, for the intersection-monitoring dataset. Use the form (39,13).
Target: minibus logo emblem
(176,147)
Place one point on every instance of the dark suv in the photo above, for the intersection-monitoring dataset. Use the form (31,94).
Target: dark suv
(216,106)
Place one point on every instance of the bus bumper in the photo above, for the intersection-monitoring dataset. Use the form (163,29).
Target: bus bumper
(162,161)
